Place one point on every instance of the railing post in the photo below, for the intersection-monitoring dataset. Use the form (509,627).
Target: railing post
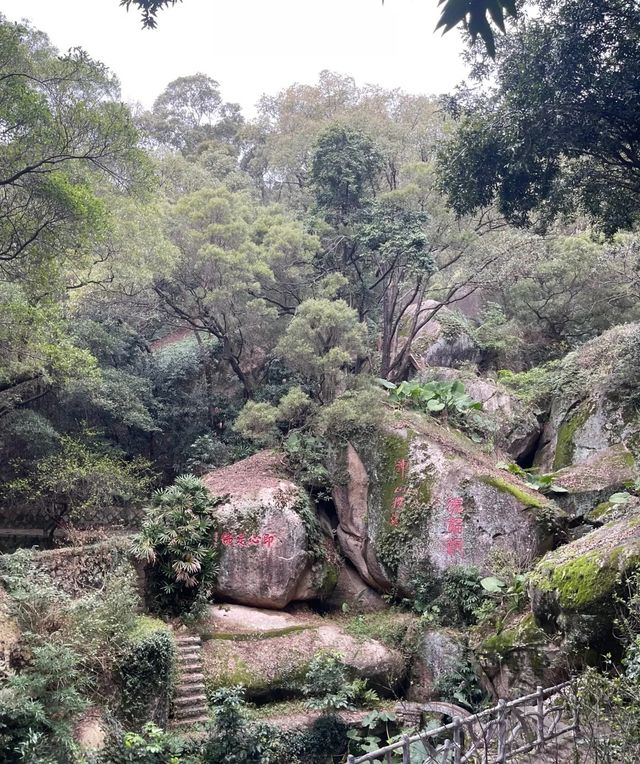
(502,732)
(457,740)
(540,718)
(406,750)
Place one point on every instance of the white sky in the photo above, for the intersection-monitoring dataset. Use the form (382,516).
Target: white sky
(257,46)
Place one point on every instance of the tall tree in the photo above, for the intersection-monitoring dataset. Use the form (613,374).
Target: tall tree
(558,131)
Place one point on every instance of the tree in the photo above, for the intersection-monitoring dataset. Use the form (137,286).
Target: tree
(238,277)
(558,131)
(323,338)
(190,111)
(343,171)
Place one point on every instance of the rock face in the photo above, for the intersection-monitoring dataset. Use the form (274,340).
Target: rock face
(443,340)
(272,548)
(269,652)
(516,427)
(591,483)
(519,658)
(440,653)
(572,588)
(595,407)
(431,500)
(352,591)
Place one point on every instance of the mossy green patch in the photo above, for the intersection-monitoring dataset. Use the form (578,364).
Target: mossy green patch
(252,635)
(144,626)
(565,444)
(579,582)
(505,486)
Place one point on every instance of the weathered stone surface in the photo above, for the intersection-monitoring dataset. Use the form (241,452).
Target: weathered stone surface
(592,482)
(594,407)
(269,559)
(351,590)
(572,588)
(271,659)
(440,653)
(520,657)
(440,342)
(434,501)
(516,427)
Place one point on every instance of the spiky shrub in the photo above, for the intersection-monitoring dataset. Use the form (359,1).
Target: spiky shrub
(176,541)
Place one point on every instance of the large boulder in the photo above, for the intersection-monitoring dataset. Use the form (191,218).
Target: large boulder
(573,588)
(520,657)
(269,653)
(513,425)
(589,484)
(273,551)
(596,402)
(439,654)
(428,500)
(444,340)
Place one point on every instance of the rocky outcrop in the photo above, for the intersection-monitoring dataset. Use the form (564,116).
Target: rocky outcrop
(572,588)
(272,548)
(269,652)
(353,592)
(429,500)
(591,483)
(520,657)
(595,405)
(443,340)
(439,654)
(515,427)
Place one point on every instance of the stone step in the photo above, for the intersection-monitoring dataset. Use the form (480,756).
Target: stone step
(189,651)
(190,712)
(191,691)
(188,722)
(192,700)
(191,678)
(188,658)
(189,668)
(188,640)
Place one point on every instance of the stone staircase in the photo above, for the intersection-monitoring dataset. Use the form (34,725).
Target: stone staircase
(190,701)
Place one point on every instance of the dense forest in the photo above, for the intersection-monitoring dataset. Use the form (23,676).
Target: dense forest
(365,365)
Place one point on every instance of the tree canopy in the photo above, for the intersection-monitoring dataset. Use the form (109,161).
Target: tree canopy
(556,128)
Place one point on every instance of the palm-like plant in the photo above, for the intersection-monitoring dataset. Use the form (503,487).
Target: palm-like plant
(177,540)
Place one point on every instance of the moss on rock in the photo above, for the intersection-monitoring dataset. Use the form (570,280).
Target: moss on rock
(505,486)
(565,444)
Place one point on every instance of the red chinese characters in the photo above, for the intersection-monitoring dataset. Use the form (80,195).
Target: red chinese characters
(241,539)
(454,526)
(398,501)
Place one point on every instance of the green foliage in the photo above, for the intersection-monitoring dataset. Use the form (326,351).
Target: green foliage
(433,397)
(543,483)
(460,685)
(79,480)
(145,673)
(474,18)
(257,421)
(39,706)
(152,745)
(323,339)
(355,416)
(344,166)
(176,540)
(455,599)
(560,76)
(328,689)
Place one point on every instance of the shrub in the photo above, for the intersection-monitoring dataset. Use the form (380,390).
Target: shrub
(145,673)
(176,539)
(257,421)
(356,415)
(39,706)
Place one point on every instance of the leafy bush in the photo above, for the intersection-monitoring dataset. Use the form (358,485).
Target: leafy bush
(176,539)
(455,600)
(356,415)
(39,706)
(257,421)
(152,745)
(460,685)
(145,673)
(327,687)
(433,397)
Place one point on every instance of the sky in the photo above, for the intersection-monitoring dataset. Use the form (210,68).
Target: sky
(253,47)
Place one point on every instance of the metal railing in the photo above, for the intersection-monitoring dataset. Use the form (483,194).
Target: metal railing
(494,736)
